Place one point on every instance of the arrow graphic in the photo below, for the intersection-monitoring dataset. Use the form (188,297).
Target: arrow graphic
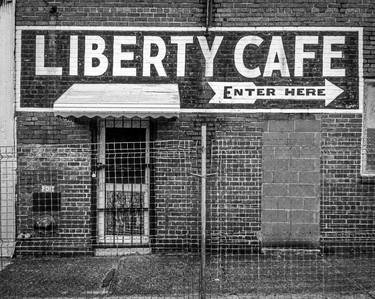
(248,92)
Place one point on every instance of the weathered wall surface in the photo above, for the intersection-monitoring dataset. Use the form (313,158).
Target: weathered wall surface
(326,178)
(7,75)
(291,181)
(192,13)
(7,138)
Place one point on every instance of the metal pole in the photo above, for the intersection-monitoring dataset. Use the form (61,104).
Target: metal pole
(203,215)
(208,14)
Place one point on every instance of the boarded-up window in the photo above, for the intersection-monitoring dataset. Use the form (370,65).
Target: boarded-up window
(368,149)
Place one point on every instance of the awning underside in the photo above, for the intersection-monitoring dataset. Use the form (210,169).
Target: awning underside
(119,100)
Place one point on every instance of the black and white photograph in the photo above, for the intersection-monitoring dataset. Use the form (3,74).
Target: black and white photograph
(187,149)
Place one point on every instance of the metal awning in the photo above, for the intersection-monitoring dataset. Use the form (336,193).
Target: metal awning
(117,100)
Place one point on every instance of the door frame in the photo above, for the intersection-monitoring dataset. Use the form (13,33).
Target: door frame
(135,239)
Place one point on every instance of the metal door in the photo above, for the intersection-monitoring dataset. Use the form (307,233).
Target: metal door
(124,180)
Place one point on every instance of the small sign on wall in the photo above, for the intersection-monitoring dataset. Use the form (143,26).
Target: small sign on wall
(47,188)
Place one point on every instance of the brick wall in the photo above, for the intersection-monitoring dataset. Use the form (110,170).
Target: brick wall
(346,207)
(192,13)
(68,170)
(45,128)
(234,188)
(291,181)
(235,194)
(175,196)
(112,13)
(303,13)
(67,167)
(347,199)
(246,157)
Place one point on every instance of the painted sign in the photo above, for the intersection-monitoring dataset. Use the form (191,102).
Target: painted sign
(47,188)
(228,93)
(240,68)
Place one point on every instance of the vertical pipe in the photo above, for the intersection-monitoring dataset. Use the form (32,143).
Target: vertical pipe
(208,14)
(203,215)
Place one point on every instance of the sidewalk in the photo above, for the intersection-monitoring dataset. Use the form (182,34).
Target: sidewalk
(170,276)
(244,296)
(4,262)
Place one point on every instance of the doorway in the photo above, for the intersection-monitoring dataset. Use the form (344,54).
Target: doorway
(123,183)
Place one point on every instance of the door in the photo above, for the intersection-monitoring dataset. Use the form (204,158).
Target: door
(291,182)
(124,180)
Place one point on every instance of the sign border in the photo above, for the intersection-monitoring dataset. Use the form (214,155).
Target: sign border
(19,30)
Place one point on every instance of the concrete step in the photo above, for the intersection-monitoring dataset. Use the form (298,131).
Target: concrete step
(290,251)
(118,251)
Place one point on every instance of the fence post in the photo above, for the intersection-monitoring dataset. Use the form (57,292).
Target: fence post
(202,290)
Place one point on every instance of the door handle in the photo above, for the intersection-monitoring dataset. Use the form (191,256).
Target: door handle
(100,166)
